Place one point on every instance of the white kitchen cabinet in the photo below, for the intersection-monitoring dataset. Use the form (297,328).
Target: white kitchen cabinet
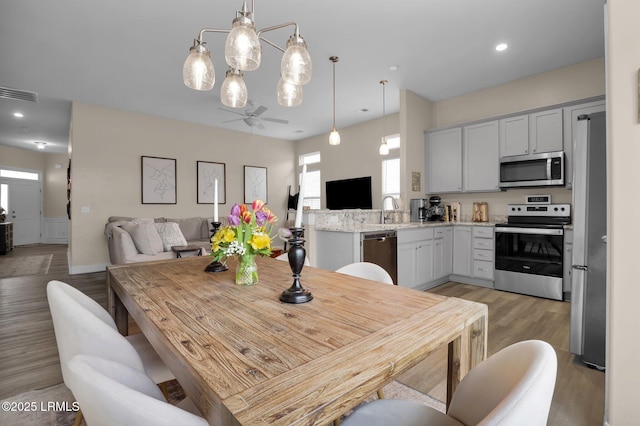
(442,252)
(415,257)
(337,249)
(545,131)
(444,160)
(462,250)
(514,136)
(570,116)
(481,157)
(532,133)
(473,255)
(483,252)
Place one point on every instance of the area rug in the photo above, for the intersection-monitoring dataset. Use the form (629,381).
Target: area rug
(53,406)
(25,265)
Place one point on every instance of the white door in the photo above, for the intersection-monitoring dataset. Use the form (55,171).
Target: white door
(24,210)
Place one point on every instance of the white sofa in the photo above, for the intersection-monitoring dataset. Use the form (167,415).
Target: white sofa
(133,240)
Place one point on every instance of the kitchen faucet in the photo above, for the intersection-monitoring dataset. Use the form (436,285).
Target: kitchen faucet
(383,218)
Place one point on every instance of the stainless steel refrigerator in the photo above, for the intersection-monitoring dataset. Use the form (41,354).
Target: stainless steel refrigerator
(589,263)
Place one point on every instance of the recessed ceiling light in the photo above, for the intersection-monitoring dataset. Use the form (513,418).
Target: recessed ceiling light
(394,67)
(18,114)
(502,46)
(40,144)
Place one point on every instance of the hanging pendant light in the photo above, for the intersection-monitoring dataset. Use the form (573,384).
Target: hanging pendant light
(334,136)
(289,95)
(242,50)
(384,147)
(233,92)
(296,66)
(198,72)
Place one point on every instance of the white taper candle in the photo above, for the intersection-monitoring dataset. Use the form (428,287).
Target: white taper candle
(298,223)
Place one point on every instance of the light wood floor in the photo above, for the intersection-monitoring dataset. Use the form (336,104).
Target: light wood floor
(29,357)
(579,394)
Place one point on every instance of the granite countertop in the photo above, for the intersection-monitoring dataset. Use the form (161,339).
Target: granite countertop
(373,227)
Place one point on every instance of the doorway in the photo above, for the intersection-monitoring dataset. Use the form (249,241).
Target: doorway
(22,199)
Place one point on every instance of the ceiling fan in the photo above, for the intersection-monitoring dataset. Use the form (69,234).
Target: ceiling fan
(253,117)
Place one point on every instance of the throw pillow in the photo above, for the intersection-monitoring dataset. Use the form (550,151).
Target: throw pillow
(144,236)
(171,235)
(190,227)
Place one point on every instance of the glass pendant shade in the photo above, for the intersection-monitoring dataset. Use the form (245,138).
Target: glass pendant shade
(334,137)
(242,49)
(289,95)
(198,72)
(296,67)
(384,148)
(233,92)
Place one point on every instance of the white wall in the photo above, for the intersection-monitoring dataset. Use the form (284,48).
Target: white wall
(623,62)
(356,156)
(107,146)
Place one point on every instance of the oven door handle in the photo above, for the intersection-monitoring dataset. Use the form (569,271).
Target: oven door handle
(533,231)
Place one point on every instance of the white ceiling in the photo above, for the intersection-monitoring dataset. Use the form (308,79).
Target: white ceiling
(129,55)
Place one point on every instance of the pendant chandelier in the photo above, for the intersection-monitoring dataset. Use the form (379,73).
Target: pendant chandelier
(334,136)
(384,148)
(243,52)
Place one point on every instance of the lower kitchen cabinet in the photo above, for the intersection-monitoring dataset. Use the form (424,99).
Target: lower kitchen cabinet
(415,257)
(462,250)
(473,255)
(442,252)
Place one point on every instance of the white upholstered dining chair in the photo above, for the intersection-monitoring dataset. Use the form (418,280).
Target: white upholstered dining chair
(112,393)
(512,387)
(367,270)
(82,326)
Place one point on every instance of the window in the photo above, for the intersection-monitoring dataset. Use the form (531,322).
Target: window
(18,175)
(311,179)
(391,172)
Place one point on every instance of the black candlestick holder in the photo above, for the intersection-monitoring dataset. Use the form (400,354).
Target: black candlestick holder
(297,255)
(215,266)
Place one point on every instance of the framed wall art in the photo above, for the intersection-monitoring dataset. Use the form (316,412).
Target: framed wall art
(207,173)
(255,184)
(158,180)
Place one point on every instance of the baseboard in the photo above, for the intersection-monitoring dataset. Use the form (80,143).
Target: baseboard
(86,269)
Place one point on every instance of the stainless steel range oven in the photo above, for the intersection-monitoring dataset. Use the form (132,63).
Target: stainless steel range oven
(529,249)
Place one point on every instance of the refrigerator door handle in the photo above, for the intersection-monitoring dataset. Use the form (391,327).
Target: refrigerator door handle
(576,338)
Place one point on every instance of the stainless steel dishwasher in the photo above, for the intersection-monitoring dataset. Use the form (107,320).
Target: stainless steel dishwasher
(381,248)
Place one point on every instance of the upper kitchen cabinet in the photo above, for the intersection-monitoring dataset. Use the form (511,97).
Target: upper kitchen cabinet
(514,136)
(531,133)
(444,160)
(545,131)
(570,115)
(481,157)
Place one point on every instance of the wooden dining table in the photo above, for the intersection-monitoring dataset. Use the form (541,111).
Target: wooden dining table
(246,358)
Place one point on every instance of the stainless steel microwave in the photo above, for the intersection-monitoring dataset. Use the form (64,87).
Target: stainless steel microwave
(546,169)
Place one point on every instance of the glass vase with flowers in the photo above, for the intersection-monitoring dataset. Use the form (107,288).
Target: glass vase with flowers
(246,236)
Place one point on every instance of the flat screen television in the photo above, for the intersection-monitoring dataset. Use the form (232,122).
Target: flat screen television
(349,193)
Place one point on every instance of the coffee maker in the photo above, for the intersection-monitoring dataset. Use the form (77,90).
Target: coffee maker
(435,211)
(418,210)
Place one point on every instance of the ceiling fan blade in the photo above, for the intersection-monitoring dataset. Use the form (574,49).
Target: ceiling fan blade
(260,126)
(235,119)
(231,111)
(259,110)
(276,120)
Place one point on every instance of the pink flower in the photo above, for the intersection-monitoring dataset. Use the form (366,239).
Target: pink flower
(257,205)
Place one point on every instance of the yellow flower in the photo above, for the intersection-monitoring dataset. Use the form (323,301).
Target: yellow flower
(227,235)
(260,241)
